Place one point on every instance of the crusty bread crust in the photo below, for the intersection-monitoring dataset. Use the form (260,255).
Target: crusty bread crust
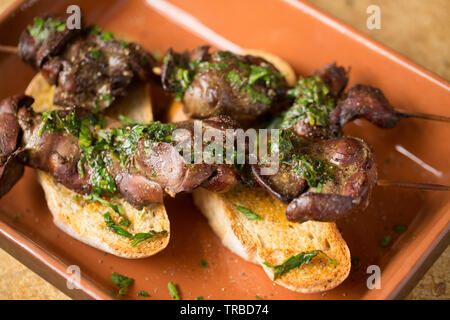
(274,239)
(84,220)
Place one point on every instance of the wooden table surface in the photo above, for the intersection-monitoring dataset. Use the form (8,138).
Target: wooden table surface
(418,29)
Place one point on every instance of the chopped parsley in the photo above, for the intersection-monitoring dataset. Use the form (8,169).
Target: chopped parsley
(250,215)
(315,172)
(234,78)
(292,263)
(96,54)
(245,77)
(294,155)
(41,28)
(143,293)
(121,281)
(200,298)
(313,103)
(142,236)
(386,241)
(285,145)
(102,35)
(98,147)
(400,228)
(257,81)
(125,222)
(173,291)
(53,121)
(103,101)
(204,264)
(137,238)
(111,225)
(107,36)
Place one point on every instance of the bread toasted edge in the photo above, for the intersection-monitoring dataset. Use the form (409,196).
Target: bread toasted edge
(83,220)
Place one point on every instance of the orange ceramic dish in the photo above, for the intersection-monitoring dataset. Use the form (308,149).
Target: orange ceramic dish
(307,39)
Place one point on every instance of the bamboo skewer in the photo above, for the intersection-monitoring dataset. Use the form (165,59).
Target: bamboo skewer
(8,49)
(383,183)
(420,115)
(413,185)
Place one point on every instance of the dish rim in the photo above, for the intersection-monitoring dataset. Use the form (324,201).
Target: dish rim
(53,270)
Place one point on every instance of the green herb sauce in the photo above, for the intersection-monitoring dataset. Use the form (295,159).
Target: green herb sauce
(313,103)
(98,148)
(41,28)
(315,172)
(243,76)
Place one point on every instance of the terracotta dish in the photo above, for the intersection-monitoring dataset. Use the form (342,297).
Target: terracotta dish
(307,39)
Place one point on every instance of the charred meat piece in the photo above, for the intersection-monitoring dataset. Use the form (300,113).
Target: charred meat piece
(57,153)
(10,131)
(45,38)
(176,172)
(335,77)
(138,190)
(312,113)
(11,169)
(138,161)
(222,180)
(284,185)
(210,84)
(89,67)
(169,168)
(362,101)
(354,177)
(321,180)
(321,109)
(319,207)
(96,69)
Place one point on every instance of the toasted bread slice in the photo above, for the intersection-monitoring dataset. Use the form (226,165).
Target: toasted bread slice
(273,239)
(84,220)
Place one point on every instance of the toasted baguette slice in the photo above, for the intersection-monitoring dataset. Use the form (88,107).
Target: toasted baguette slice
(274,239)
(84,220)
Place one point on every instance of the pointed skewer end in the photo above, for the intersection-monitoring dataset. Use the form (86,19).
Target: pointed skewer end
(413,185)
